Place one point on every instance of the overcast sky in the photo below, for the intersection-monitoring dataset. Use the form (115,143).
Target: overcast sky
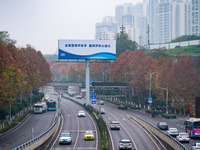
(42,22)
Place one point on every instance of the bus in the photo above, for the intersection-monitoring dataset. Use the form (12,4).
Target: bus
(192,127)
(38,108)
(51,104)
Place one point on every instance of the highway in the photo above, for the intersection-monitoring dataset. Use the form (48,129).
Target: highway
(38,122)
(77,126)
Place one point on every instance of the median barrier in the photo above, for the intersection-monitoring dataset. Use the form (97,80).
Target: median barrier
(173,143)
(41,139)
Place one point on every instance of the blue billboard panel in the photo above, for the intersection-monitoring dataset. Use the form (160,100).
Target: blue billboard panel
(87,49)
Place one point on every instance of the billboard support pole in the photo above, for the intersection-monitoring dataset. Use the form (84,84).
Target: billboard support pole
(87,78)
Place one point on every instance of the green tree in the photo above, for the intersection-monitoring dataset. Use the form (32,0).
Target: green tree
(5,37)
(123,43)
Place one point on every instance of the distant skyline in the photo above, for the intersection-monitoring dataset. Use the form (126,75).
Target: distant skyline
(42,23)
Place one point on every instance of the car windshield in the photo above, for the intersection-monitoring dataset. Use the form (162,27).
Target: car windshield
(89,133)
(173,129)
(114,122)
(81,111)
(198,144)
(125,141)
(163,123)
(183,134)
(65,135)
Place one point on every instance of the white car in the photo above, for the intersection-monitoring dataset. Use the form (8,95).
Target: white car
(65,138)
(115,125)
(196,146)
(173,131)
(102,110)
(125,144)
(183,137)
(81,113)
(78,96)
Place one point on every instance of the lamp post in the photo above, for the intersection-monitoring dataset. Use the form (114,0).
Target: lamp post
(150,83)
(166,98)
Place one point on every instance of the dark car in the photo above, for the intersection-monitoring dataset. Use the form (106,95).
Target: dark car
(162,125)
(123,107)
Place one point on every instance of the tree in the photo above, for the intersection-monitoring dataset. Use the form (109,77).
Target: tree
(123,43)
(186,38)
(5,37)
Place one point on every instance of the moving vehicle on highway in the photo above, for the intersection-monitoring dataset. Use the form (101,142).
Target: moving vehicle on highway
(102,110)
(122,107)
(46,97)
(51,104)
(196,146)
(192,127)
(79,96)
(81,113)
(183,137)
(162,125)
(172,131)
(38,108)
(88,135)
(125,144)
(114,125)
(100,103)
(65,138)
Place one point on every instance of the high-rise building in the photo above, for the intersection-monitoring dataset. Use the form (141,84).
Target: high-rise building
(195,17)
(106,30)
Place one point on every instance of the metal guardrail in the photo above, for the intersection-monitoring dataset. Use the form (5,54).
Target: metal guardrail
(37,138)
(171,138)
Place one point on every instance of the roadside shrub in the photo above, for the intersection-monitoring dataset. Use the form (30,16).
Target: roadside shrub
(169,116)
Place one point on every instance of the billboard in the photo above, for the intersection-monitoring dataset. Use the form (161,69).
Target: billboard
(86,49)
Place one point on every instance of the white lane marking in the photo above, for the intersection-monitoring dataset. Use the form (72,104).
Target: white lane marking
(78,131)
(58,133)
(123,119)
(125,131)
(69,115)
(145,132)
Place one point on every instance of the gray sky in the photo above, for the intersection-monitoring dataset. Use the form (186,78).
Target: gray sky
(42,22)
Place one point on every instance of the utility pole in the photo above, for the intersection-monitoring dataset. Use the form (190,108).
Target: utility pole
(166,89)
(148,30)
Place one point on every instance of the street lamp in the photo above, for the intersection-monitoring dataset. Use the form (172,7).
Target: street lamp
(150,83)
(166,98)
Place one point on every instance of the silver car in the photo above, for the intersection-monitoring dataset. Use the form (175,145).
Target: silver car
(65,138)
(125,144)
(173,131)
(115,125)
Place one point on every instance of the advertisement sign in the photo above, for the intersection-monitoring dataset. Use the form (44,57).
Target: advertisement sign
(86,49)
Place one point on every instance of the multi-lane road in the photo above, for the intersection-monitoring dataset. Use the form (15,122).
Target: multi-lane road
(34,125)
(140,138)
(77,126)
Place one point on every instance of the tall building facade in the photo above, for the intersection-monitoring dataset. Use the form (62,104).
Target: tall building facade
(195,17)
(106,30)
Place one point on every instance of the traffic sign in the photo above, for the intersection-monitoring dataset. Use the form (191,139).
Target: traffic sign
(93,102)
(149,99)
(93,95)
